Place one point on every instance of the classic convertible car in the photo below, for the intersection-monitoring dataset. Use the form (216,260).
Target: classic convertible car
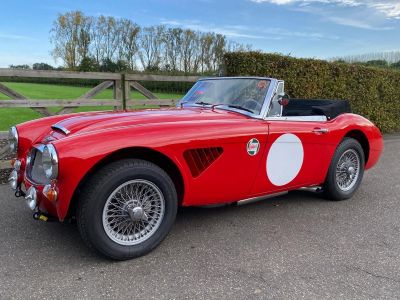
(122,175)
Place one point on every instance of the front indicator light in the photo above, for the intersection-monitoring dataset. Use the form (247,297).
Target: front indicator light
(16,164)
(50,193)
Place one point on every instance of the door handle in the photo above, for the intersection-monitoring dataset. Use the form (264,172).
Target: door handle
(318,130)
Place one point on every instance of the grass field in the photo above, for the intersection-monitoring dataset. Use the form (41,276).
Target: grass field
(12,116)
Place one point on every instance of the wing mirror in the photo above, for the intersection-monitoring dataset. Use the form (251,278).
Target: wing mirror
(283,99)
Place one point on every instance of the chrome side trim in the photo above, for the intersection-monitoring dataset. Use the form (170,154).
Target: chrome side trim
(63,129)
(255,199)
(299,118)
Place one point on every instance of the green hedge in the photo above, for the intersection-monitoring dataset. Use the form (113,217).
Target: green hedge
(373,93)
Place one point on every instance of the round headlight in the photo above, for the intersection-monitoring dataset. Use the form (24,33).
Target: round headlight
(13,139)
(50,161)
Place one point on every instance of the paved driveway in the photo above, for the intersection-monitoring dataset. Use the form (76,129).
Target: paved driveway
(293,246)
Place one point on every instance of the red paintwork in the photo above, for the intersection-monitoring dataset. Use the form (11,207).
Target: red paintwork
(233,176)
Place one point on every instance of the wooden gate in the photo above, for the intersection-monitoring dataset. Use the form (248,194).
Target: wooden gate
(121,84)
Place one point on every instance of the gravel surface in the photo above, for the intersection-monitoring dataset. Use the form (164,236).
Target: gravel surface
(290,247)
(4,173)
(2,144)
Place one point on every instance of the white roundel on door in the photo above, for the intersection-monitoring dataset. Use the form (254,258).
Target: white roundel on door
(285,159)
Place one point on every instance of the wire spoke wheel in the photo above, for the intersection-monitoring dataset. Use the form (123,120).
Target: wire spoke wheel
(133,212)
(348,170)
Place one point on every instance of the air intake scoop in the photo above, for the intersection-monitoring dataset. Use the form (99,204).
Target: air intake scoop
(200,159)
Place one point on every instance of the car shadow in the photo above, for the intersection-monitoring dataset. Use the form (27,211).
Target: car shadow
(62,243)
(297,197)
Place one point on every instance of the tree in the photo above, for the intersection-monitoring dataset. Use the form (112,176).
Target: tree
(117,44)
(377,63)
(206,51)
(233,46)
(151,46)
(89,64)
(71,38)
(395,65)
(188,47)
(391,57)
(110,66)
(42,66)
(218,51)
(173,50)
(106,38)
(340,61)
(122,65)
(19,67)
(128,45)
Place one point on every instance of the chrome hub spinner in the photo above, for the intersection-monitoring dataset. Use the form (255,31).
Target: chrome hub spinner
(351,171)
(137,214)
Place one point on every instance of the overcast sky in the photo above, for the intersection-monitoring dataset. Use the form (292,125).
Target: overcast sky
(304,28)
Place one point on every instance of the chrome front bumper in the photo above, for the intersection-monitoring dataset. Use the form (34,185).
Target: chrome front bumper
(31,198)
(31,195)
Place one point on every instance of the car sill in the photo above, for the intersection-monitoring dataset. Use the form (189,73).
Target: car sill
(256,199)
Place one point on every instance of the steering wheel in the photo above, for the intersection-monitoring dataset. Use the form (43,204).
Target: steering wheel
(252,104)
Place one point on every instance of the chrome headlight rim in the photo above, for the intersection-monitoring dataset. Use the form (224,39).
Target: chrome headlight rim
(13,139)
(50,161)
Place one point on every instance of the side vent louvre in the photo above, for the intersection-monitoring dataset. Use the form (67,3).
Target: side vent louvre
(201,158)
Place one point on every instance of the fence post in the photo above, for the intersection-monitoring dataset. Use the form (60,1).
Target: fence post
(118,93)
(125,96)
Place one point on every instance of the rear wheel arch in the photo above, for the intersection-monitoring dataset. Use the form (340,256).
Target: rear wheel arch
(352,168)
(360,137)
(147,154)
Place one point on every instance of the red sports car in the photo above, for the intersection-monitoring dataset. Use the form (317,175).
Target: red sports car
(124,174)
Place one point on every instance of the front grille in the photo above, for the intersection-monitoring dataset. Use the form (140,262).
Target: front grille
(34,167)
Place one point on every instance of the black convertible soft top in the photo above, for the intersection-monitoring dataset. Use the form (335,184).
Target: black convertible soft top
(316,107)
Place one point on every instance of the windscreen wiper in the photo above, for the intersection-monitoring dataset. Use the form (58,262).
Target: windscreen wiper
(223,104)
(240,107)
(203,103)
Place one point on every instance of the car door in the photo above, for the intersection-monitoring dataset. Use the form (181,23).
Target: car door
(296,155)
(230,177)
(296,152)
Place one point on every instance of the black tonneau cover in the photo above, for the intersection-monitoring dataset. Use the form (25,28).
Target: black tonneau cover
(316,107)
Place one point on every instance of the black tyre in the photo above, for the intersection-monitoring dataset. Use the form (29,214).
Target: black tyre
(127,208)
(346,170)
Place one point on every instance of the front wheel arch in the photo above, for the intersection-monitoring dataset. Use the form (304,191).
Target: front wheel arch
(99,210)
(143,153)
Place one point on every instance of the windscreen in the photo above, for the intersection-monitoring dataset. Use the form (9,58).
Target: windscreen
(241,93)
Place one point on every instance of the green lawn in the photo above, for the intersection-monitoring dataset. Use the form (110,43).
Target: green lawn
(12,116)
